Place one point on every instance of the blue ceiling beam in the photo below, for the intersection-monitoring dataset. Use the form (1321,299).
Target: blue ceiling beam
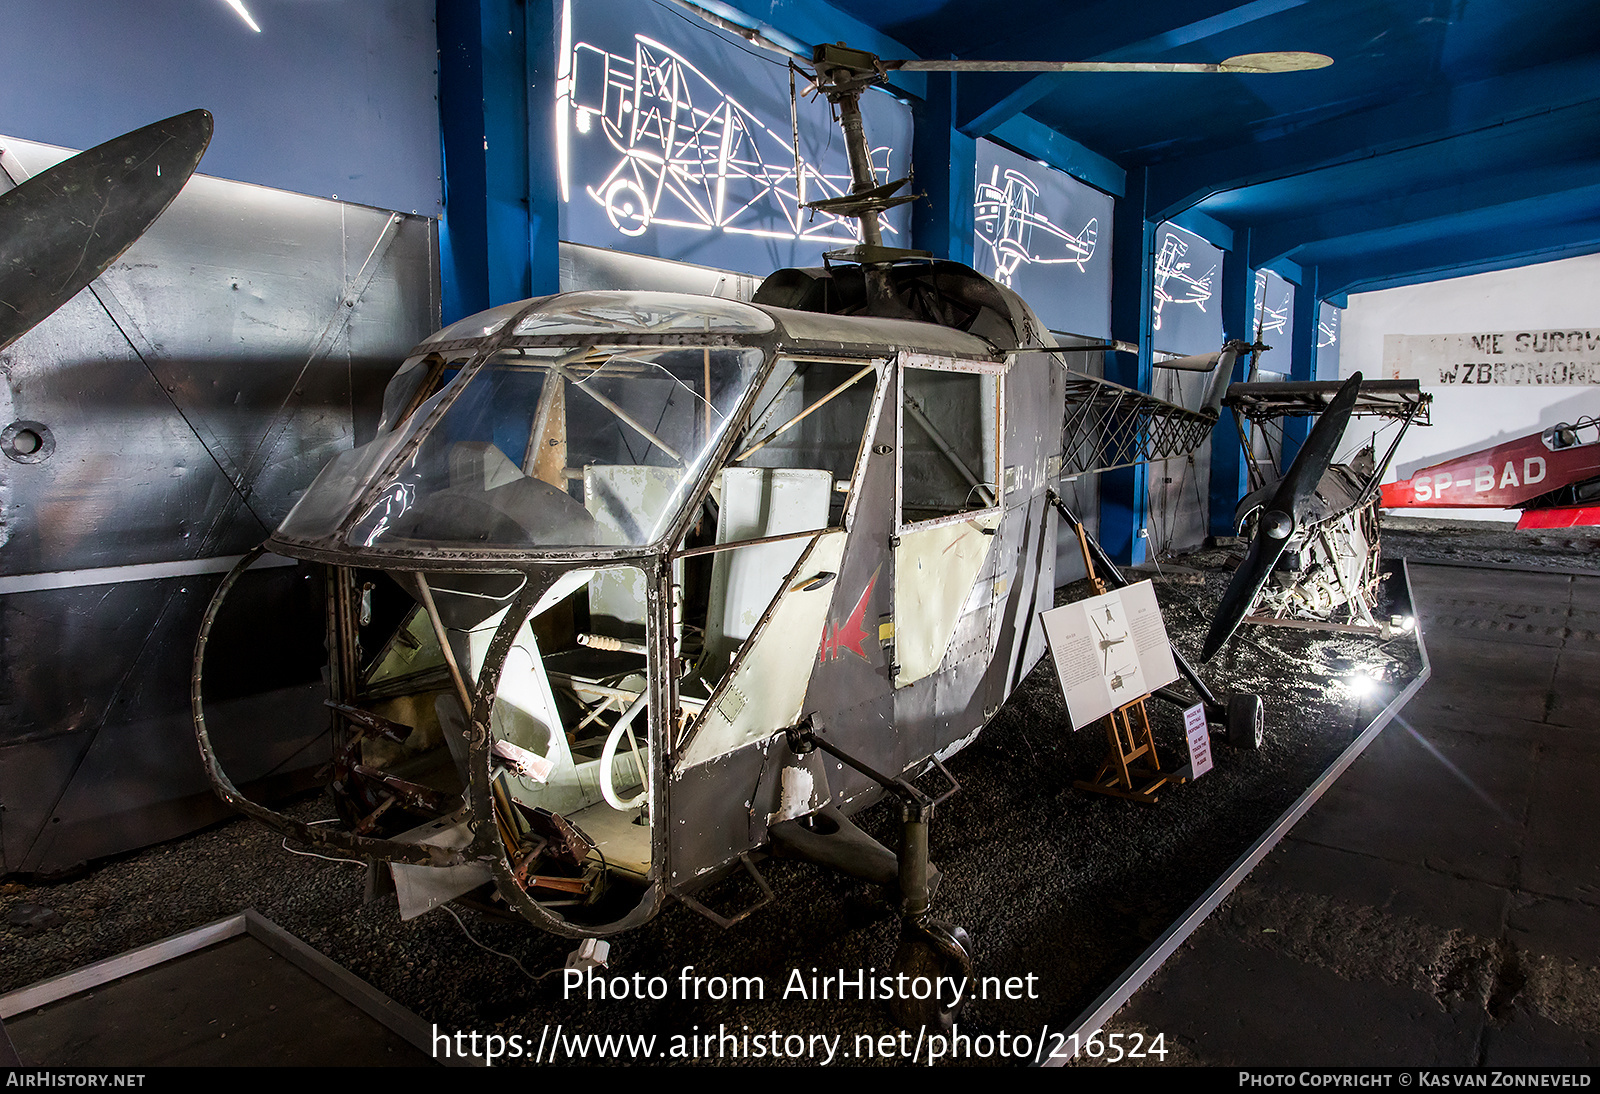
(1039,142)
(1099,33)
(740,15)
(1292,272)
(1531,96)
(1457,256)
(1464,199)
(1553,141)
(989,100)
(1236,16)
(806,24)
(1500,230)
(1208,228)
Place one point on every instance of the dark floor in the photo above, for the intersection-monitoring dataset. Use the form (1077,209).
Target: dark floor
(1441,903)
(235,1003)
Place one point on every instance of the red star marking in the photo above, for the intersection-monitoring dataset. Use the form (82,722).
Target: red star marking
(853,635)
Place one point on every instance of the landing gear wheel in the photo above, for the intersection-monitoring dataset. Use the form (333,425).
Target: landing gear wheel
(1246,721)
(930,950)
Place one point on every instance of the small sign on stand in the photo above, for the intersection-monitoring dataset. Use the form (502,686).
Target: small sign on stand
(1194,727)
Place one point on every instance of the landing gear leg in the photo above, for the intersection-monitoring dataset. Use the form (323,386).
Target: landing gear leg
(934,957)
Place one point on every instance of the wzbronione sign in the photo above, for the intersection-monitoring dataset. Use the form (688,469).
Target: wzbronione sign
(1556,358)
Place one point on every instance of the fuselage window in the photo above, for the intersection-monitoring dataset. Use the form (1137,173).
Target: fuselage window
(815,420)
(949,443)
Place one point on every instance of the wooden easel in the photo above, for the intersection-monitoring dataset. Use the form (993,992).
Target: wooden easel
(1126,743)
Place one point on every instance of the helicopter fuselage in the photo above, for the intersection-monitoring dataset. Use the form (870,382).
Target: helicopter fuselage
(619,543)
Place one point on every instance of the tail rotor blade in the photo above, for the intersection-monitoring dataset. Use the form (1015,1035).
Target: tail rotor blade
(61,228)
(1282,517)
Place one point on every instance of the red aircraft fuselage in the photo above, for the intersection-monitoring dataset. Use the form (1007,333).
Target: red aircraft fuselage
(1530,473)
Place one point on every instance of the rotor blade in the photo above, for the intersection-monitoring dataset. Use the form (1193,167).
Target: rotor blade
(60,229)
(1244,63)
(1282,517)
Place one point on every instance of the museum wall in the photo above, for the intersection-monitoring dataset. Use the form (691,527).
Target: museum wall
(192,392)
(331,100)
(1549,295)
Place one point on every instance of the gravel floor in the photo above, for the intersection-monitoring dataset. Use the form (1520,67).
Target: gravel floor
(1051,882)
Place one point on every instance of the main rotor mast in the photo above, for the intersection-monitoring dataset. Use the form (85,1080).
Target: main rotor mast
(842,74)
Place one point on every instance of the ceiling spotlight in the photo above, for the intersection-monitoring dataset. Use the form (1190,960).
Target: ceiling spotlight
(238,6)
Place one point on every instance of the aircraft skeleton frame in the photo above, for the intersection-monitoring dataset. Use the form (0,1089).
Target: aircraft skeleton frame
(1110,426)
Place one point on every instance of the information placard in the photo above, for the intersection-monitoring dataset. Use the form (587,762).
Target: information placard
(1194,727)
(1109,650)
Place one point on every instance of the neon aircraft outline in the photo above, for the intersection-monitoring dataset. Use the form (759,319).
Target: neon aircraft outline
(1006,218)
(690,155)
(1168,269)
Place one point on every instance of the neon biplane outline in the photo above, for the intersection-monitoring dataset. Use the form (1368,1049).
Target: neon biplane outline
(1169,269)
(1006,217)
(690,155)
(1269,320)
(1327,328)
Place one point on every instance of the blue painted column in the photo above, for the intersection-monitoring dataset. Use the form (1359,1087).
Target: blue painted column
(1125,492)
(483,120)
(1229,474)
(1302,360)
(544,44)
(946,164)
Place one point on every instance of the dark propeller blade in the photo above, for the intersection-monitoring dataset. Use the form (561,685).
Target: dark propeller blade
(60,229)
(1282,517)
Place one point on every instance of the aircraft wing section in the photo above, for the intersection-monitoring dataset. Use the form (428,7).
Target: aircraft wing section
(1402,401)
(1399,399)
(1571,516)
(1110,426)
